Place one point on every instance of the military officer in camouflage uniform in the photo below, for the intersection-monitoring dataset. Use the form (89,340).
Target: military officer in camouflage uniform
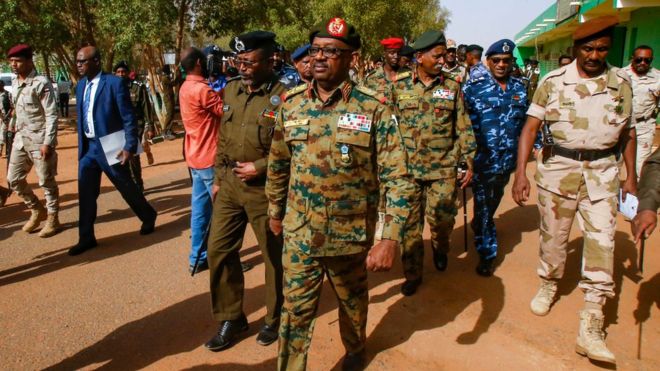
(381,78)
(452,67)
(333,144)
(142,111)
(246,129)
(437,135)
(497,104)
(35,123)
(585,109)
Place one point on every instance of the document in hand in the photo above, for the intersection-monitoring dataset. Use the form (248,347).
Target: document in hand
(113,143)
(629,207)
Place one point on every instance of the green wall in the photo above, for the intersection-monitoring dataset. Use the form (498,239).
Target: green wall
(644,28)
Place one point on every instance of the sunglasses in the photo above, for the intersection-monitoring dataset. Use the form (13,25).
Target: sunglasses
(646,60)
(80,62)
(496,60)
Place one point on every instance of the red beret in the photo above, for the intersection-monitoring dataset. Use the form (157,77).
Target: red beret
(392,43)
(20,50)
(594,27)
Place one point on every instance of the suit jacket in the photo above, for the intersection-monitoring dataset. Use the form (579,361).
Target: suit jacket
(112,112)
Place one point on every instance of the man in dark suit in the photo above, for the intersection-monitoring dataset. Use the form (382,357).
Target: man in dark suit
(104,107)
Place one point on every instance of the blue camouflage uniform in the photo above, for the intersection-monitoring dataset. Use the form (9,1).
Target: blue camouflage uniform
(497,119)
(478,71)
(288,76)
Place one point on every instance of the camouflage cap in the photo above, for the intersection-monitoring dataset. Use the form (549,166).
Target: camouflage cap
(337,28)
(429,39)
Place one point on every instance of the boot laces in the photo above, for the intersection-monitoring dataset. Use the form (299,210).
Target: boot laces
(547,291)
(595,328)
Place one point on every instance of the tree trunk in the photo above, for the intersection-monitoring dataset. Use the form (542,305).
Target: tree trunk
(160,86)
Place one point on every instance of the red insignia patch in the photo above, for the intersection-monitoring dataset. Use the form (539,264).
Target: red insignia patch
(516,97)
(337,27)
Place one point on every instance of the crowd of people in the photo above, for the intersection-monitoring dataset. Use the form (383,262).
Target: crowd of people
(337,164)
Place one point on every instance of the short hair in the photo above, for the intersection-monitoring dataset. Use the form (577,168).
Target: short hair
(564,56)
(188,63)
(643,47)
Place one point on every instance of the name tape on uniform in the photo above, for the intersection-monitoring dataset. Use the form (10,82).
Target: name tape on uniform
(290,123)
(354,121)
(444,94)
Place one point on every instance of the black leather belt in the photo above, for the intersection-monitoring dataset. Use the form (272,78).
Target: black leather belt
(582,154)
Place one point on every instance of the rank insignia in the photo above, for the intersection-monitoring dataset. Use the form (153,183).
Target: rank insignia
(516,97)
(354,121)
(336,27)
(345,153)
(444,94)
(269,113)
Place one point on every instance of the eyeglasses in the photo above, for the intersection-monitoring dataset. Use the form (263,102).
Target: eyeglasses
(327,52)
(496,60)
(646,60)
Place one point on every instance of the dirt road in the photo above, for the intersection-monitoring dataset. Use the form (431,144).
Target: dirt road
(131,304)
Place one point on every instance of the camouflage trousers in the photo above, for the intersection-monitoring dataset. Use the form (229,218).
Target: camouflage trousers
(645,134)
(303,279)
(437,201)
(488,190)
(597,220)
(20,164)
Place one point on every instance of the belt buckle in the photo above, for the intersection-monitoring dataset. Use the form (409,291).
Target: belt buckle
(579,155)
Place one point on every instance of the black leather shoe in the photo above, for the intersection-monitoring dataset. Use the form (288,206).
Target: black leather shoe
(226,334)
(353,362)
(439,260)
(485,267)
(246,267)
(148,227)
(410,287)
(201,267)
(268,334)
(81,247)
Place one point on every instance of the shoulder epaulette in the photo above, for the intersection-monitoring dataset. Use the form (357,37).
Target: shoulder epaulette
(295,91)
(371,92)
(621,73)
(234,78)
(403,75)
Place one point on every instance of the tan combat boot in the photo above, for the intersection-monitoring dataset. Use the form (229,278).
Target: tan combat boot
(52,226)
(38,215)
(541,303)
(591,340)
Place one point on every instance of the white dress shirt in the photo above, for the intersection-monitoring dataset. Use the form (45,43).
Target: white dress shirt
(90,111)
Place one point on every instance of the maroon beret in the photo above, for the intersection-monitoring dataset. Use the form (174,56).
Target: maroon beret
(20,50)
(594,27)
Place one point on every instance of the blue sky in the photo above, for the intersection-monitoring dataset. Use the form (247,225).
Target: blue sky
(485,21)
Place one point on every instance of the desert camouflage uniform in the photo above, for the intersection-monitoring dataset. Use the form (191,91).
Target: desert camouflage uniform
(437,135)
(582,114)
(35,121)
(324,167)
(646,90)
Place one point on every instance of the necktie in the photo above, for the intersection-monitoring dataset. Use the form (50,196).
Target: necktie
(86,99)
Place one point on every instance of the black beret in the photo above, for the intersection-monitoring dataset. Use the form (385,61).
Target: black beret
(121,64)
(407,51)
(20,50)
(337,28)
(474,47)
(429,39)
(253,40)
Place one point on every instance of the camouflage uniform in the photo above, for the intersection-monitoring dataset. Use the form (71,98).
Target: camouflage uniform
(437,135)
(646,90)
(288,76)
(497,119)
(142,111)
(477,71)
(458,72)
(587,114)
(5,110)
(324,167)
(35,121)
(378,81)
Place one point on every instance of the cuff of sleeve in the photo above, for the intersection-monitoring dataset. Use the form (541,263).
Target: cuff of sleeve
(392,230)
(536,111)
(260,165)
(275,211)
(647,204)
